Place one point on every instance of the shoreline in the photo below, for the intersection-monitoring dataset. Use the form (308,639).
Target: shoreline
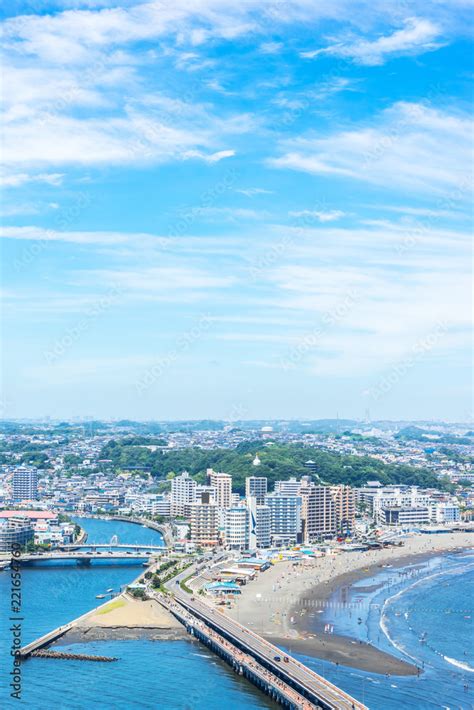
(277,606)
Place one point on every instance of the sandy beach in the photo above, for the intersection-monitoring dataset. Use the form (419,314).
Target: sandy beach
(276,605)
(126,618)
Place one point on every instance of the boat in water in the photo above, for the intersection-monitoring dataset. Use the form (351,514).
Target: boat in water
(100,596)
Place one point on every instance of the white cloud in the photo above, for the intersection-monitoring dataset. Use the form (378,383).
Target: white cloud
(329,216)
(226,214)
(102,238)
(407,210)
(409,145)
(252,191)
(211,157)
(167,282)
(136,137)
(20,179)
(417,36)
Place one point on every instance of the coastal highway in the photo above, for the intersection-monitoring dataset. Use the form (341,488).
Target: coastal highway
(293,672)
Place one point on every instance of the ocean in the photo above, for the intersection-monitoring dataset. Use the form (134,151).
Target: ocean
(431,601)
(422,613)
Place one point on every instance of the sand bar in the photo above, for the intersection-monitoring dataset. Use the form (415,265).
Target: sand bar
(126,618)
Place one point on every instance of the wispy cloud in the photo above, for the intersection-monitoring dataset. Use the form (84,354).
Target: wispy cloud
(20,179)
(252,191)
(417,36)
(328,216)
(408,145)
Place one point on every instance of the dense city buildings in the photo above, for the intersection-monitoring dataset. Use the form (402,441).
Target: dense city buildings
(245,506)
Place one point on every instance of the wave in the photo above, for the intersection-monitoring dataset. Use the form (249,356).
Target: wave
(401,592)
(459,664)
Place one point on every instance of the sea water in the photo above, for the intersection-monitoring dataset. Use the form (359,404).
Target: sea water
(422,613)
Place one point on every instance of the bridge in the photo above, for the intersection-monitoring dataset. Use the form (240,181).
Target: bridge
(280,675)
(83,557)
(113,546)
(203,620)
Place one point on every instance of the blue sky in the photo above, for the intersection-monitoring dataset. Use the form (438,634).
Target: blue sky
(237,210)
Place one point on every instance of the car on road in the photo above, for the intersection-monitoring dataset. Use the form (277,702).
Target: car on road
(286,659)
(277,658)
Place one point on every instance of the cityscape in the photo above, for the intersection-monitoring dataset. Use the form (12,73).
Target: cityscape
(300,504)
(236,402)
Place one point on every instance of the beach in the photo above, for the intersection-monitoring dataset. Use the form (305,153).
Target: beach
(278,604)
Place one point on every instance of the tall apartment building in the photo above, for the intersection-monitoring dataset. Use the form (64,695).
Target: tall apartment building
(256,486)
(285,517)
(222,483)
(318,512)
(263,527)
(344,500)
(25,484)
(183,493)
(204,522)
(290,487)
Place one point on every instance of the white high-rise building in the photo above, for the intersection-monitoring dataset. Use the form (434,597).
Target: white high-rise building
(25,484)
(237,528)
(222,483)
(256,486)
(183,492)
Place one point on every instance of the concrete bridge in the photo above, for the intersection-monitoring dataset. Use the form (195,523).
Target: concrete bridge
(112,546)
(83,557)
(274,671)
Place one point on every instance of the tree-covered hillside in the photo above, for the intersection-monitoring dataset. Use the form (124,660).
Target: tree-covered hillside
(277,462)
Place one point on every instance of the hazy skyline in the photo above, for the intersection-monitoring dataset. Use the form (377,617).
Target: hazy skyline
(215,210)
